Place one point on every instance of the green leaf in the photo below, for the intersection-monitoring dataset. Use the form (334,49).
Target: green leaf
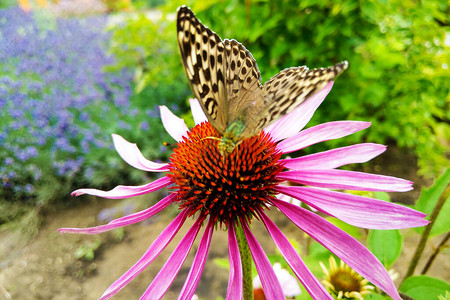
(373,296)
(424,287)
(352,230)
(428,199)
(386,245)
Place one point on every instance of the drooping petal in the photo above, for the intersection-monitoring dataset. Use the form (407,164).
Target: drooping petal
(235,288)
(342,244)
(169,271)
(293,122)
(124,221)
(152,252)
(357,210)
(191,282)
(335,158)
(123,191)
(309,281)
(350,180)
(133,156)
(269,281)
(320,133)
(174,126)
(197,112)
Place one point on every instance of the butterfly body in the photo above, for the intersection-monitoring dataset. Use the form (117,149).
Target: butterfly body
(225,78)
(231,137)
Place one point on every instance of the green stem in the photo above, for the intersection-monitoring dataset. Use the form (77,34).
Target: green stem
(426,232)
(246,262)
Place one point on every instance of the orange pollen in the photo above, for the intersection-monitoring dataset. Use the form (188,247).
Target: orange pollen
(224,188)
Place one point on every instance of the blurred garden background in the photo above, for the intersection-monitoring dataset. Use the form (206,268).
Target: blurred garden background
(72,72)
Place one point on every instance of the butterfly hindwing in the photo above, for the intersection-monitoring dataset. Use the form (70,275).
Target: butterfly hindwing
(287,90)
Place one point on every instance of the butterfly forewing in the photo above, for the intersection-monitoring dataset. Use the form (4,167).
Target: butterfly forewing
(223,74)
(202,53)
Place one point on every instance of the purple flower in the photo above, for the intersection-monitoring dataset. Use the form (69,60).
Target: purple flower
(221,191)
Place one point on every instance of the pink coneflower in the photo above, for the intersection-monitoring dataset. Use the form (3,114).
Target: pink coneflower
(226,191)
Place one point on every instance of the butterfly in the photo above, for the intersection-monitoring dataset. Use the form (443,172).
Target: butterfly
(225,79)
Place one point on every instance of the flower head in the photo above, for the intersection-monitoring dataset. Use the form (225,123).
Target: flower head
(217,190)
(343,282)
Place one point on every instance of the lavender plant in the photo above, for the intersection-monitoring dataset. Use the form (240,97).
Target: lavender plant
(58,104)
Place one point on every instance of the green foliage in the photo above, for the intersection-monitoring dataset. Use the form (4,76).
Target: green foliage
(386,245)
(149,47)
(398,75)
(427,201)
(424,287)
(87,250)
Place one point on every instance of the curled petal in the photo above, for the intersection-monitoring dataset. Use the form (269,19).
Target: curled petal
(320,133)
(123,191)
(350,180)
(124,221)
(269,281)
(198,264)
(309,281)
(235,287)
(169,271)
(342,244)
(357,210)
(197,112)
(149,256)
(293,122)
(335,158)
(133,156)
(174,126)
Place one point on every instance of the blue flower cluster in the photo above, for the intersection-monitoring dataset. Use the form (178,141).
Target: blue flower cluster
(57,102)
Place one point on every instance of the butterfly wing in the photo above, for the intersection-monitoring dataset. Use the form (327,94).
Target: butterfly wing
(285,91)
(202,53)
(223,75)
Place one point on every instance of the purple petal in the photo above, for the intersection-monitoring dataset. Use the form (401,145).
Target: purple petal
(197,112)
(350,180)
(169,271)
(357,210)
(335,158)
(309,281)
(198,264)
(174,126)
(149,256)
(122,191)
(320,133)
(124,221)
(269,281)
(235,288)
(133,156)
(293,122)
(340,243)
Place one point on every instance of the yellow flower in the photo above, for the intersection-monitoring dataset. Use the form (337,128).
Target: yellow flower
(344,283)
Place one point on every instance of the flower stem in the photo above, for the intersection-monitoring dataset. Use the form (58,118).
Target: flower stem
(426,232)
(246,261)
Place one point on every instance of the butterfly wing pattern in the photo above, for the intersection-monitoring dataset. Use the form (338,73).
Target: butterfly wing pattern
(225,78)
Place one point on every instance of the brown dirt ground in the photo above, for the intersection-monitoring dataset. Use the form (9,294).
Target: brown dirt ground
(46,267)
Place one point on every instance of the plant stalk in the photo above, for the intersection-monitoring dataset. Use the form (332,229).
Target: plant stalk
(246,262)
(435,253)
(423,239)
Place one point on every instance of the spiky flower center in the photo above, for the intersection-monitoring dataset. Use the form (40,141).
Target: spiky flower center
(224,187)
(345,281)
